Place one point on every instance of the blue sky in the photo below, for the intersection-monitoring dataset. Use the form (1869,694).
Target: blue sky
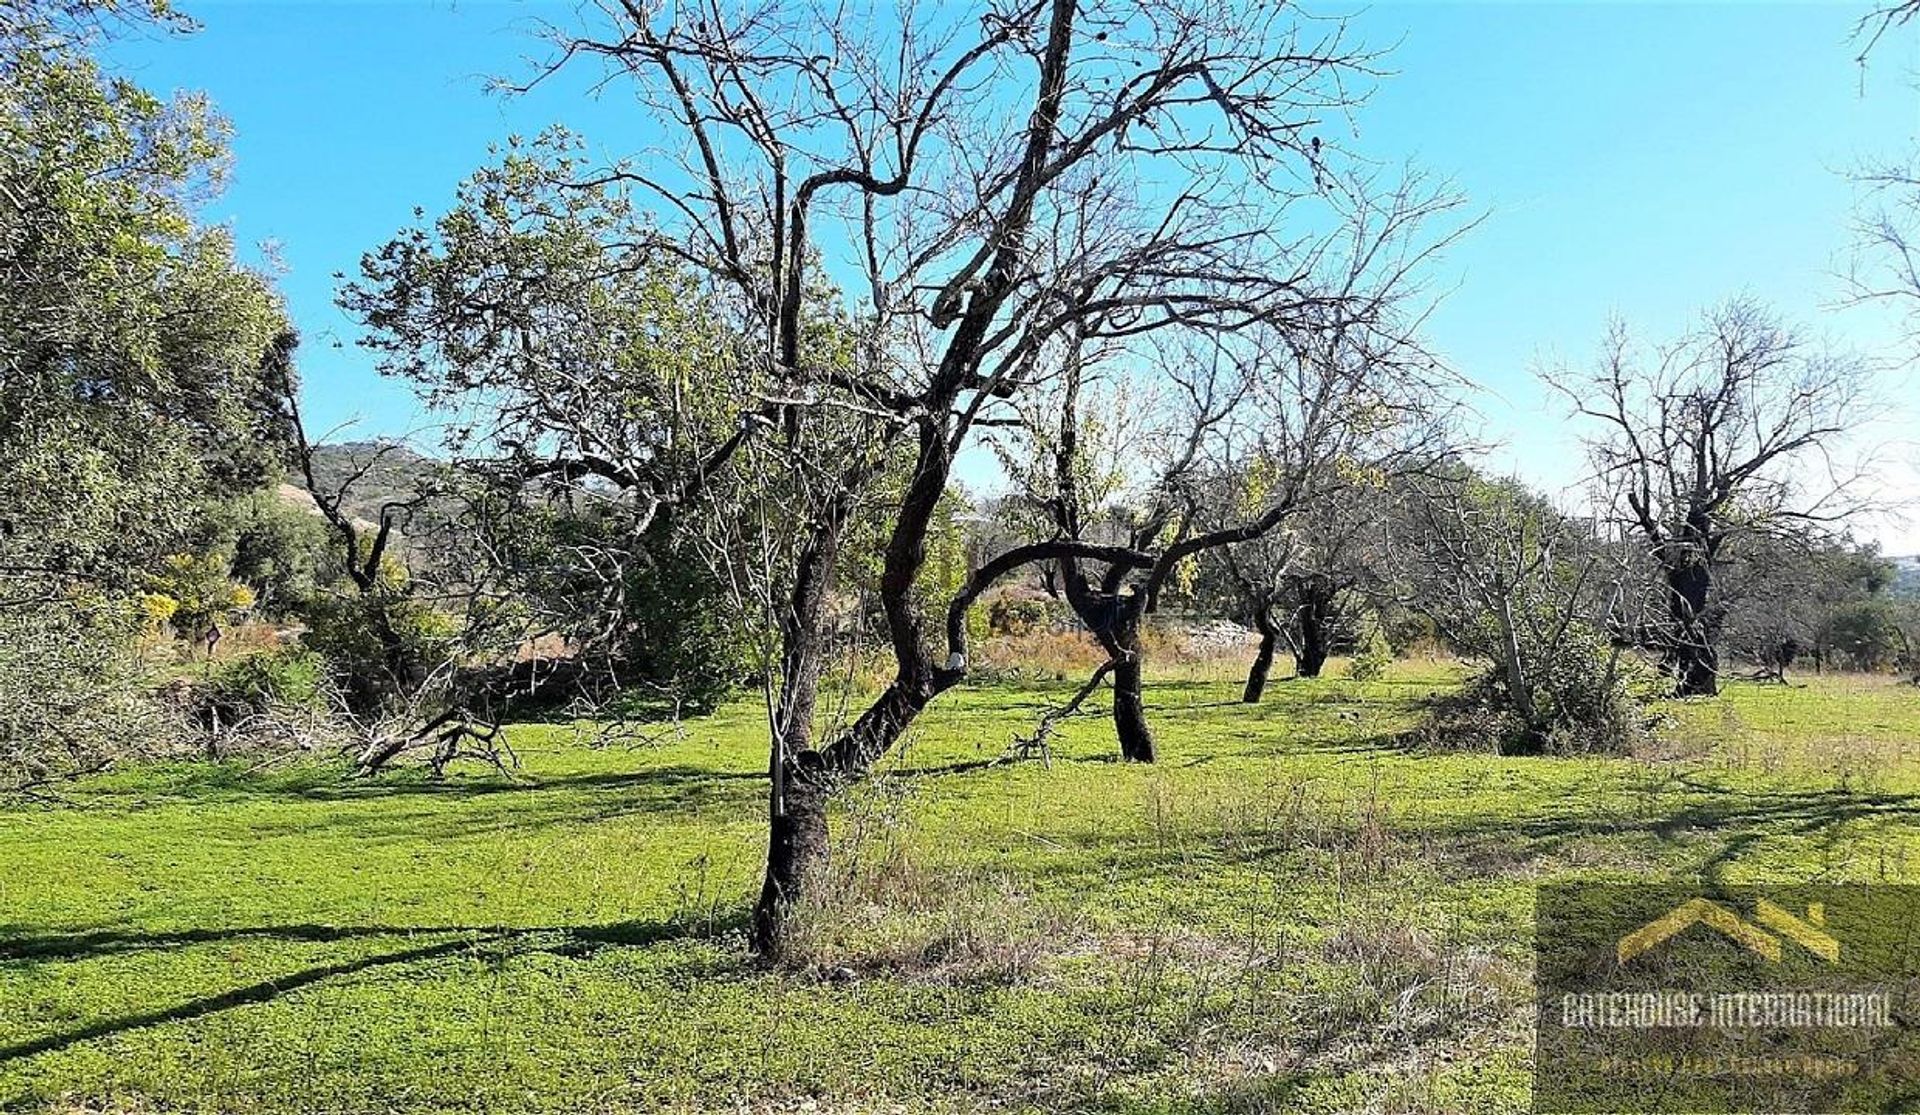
(1639,159)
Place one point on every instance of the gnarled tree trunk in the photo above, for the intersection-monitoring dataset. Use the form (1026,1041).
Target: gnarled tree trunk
(1262,658)
(1129,704)
(796,855)
(799,786)
(1315,634)
(1693,658)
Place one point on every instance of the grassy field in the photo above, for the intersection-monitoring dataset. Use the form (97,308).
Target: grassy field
(1289,912)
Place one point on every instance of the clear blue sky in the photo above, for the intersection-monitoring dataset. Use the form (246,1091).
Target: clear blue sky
(1639,159)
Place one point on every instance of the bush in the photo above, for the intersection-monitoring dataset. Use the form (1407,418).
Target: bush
(1371,656)
(259,702)
(259,682)
(71,696)
(1018,615)
(681,638)
(194,594)
(1866,635)
(352,633)
(276,547)
(1583,700)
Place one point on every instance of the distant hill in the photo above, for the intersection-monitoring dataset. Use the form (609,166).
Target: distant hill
(385,470)
(1906,580)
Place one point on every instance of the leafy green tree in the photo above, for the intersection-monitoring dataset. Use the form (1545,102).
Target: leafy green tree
(592,386)
(1804,595)
(133,384)
(276,547)
(131,339)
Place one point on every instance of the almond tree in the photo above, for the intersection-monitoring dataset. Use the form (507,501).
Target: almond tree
(1729,432)
(983,185)
(1301,586)
(1246,433)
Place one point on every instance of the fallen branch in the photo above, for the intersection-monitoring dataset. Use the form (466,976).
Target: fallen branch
(1025,746)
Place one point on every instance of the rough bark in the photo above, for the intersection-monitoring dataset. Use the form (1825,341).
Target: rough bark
(1129,704)
(1314,637)
(1262,658)
(798,786)
(796,855)
(1318,617)
(1693,658)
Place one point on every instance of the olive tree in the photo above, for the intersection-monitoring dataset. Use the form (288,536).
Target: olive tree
(132,347)
(131,339)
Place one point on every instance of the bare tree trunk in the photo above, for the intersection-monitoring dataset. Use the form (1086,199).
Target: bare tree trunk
(1697,671)
(796,855)
(1313,638)
(797,838)
(1693,658)
(1519,686)
(1129,705)
(1263,658)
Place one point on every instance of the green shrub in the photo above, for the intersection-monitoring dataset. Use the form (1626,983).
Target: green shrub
(1866,634)
(275,547)
(195,593)
(377,646)
(1372,655)
(1585,699)
(682,639)
(294,677)
(72,698)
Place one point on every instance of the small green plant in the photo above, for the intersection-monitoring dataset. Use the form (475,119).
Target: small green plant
(291,677)
(1372,656)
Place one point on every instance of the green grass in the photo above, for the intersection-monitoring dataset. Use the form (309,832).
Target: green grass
(1287,913)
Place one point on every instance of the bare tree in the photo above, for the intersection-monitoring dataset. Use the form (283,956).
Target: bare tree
(1303,586)
(1248,433)
(1885,264)
(1885,17)
(403,695)
(1731,431)
(984,185)
(1254,577)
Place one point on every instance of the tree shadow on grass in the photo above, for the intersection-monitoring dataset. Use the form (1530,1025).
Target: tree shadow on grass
(1479,846)
(410,813)
(963,766)
(330,785)
(499,943)
(662,778)
(1741,818)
